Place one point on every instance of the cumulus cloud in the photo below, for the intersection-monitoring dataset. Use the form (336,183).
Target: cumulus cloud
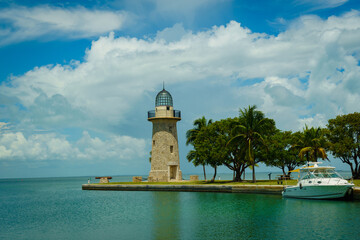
(306,74)
(52,22)
(172,34)
(42,147)
(318,120)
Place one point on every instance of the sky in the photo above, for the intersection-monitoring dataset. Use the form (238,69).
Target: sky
(77,78)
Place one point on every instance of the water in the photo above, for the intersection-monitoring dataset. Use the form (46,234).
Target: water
(57,208)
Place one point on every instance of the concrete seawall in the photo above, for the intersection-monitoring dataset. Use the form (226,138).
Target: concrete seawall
(356,193)
(264,189)
(260,189)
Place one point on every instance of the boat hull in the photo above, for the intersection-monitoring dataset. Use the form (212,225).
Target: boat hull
(317,192)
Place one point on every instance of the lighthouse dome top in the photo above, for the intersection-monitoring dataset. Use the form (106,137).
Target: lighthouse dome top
(163,98)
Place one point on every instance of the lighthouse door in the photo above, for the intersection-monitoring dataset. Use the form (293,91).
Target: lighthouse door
(173,172)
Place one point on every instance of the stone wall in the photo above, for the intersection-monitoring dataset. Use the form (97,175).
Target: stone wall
(158,176)
(194,178)
(164,111)
(137,179)
(165,150)
(104,180)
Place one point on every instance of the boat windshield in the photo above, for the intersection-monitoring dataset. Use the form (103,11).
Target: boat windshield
(319,173)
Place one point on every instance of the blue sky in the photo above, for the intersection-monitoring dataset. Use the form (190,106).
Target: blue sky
(78,77)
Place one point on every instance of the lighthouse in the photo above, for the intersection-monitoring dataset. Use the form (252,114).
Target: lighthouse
(165,163)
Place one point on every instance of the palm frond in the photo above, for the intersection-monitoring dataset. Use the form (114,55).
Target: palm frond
(322,153)
(237,138)
(304,150)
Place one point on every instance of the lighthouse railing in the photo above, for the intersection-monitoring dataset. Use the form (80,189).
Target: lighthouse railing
(151,114)
(177,113)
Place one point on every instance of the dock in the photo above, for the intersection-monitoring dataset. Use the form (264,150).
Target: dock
(258,189)
(266,189)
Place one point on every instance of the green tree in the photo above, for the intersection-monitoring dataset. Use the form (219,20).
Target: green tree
(190,139)
(211,148)
(250,129)
(235,158)
(313,144)
(280,152)
(343,134)
(208,147)
(194,157)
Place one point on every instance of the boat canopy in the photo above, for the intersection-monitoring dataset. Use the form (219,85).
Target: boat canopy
(314,171)
(319,172)
(311,167)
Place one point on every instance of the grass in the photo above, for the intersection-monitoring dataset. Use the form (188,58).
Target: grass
(357,182)
(219,182)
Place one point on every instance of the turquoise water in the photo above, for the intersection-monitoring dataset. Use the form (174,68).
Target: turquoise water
(57,208)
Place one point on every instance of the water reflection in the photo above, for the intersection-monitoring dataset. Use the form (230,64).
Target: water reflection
(227,216)
(324,217)
(166,210)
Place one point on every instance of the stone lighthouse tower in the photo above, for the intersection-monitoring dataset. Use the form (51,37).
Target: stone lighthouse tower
(165,164)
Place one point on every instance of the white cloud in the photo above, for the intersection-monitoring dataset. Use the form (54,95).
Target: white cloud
(184,7)
(320,4)
(318,120)
(52,22)
(3,125)
(42,147)
(172,34)
(308,73)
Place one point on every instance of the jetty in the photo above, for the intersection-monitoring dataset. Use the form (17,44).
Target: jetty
(257,189)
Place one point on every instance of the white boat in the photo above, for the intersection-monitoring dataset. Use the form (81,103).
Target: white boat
(316,182)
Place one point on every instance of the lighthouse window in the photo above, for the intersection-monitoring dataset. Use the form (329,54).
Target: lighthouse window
(171,149)
(154,142)
(170,129)
(167,108)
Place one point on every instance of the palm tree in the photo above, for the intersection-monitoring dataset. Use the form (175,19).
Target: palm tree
(191,136)
(313,143)
(250,129)
(198,125)
(193,157)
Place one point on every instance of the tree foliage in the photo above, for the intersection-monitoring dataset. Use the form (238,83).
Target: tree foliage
(250,131)
(232,155)
(343,134)
(211,148)
(190,139)
(312,144)
(236,159)
(242,142)
(208,147)
(198,125)
(281,152)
